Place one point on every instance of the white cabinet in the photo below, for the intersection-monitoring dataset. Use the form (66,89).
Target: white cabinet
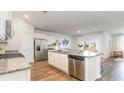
(92,68)
(59,61)
(4,15)
(50,58)
(62,62)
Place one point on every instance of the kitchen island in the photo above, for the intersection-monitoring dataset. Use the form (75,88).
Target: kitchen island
(91,63)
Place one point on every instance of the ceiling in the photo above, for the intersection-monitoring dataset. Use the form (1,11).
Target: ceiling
(70,22)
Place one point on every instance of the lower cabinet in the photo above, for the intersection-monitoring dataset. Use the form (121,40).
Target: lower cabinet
(59,61)
(50,58)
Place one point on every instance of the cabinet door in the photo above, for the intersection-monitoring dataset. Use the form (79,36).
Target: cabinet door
(61,62)
(64,64)
(51,58)
(56,60)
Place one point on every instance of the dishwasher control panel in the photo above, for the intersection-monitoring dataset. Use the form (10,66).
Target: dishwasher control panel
(76,57)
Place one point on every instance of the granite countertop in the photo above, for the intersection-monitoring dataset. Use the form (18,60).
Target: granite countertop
(86,54)
(12,65)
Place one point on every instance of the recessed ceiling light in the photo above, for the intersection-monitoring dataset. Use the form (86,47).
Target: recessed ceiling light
(79,31)
(26,16)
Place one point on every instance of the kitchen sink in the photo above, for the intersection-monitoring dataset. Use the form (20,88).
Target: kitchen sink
(65,52)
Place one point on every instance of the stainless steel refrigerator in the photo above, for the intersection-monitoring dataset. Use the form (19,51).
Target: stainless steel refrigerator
(40,49)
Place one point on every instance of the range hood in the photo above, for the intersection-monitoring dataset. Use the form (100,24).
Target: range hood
(7,35)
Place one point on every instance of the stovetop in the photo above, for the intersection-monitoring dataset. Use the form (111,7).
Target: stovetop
(11,54)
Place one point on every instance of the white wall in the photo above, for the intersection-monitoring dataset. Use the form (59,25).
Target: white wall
(23,38)
(118,39)
(27,36)
(52,37)
(107,50)
(118,42)
(101,42)
(94,36)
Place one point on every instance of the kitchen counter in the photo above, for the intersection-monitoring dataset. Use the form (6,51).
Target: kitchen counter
(12,65)
(85,54)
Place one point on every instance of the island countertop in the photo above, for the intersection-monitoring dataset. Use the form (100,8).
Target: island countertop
(12,65)
(86,54)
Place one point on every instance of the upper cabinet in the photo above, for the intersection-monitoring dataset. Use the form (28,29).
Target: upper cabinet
(5,25)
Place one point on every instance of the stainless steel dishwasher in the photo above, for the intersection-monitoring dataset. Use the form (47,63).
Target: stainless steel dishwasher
(77,66)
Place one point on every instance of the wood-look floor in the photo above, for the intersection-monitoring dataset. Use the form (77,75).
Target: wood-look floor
(113,71)
(42,71)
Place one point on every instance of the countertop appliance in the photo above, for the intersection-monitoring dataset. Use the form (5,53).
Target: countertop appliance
(40,49)
(77,66)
